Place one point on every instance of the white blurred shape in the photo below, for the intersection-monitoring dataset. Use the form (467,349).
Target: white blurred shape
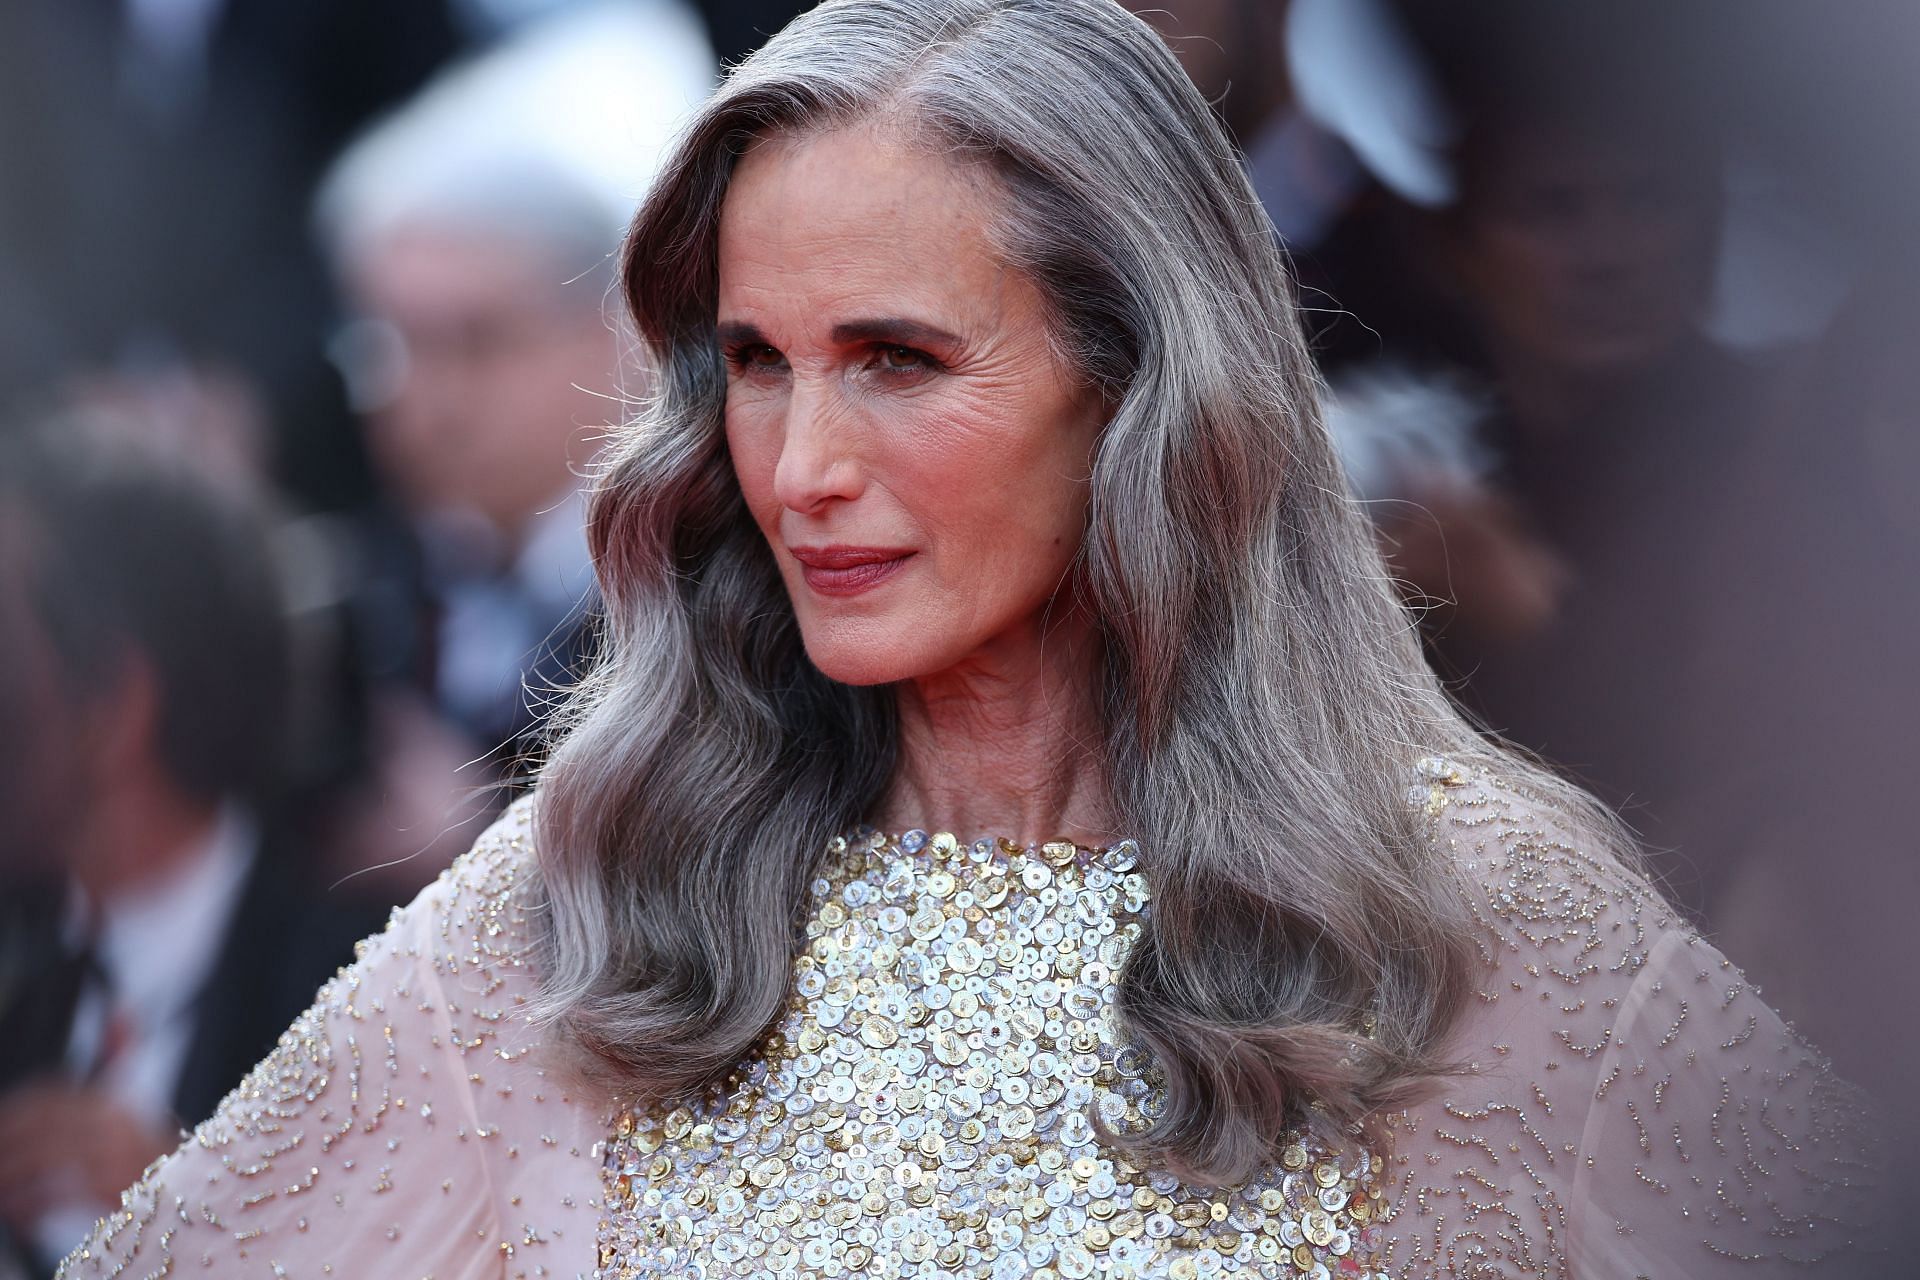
(1393,424)
(1355,70)
(591,94)
(1782,272)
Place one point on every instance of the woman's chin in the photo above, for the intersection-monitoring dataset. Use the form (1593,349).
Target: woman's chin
(857,656)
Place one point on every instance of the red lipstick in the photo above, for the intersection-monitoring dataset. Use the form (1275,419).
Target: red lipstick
(848,571)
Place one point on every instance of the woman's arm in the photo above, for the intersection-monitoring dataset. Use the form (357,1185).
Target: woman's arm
(1717,1142)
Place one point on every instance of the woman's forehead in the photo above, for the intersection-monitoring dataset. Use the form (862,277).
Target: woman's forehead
(871,176)
(857,216)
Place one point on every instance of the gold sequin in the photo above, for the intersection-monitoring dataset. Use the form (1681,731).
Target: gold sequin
(1001,1171)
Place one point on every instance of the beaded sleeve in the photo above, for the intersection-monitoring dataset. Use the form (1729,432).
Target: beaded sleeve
(1638,1110)
(404,1125)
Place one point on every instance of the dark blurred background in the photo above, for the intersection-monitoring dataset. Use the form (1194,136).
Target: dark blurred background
(307,342)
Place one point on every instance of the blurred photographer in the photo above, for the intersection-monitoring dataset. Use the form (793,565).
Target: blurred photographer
(156,932)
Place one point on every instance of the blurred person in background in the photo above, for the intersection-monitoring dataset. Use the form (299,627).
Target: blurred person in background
(158,926)
(156,258)
(1600,421)
(1673,564)
(482,360)
(156,245)
(473,234)
(1336,120)
(1525,369)
(1582,253)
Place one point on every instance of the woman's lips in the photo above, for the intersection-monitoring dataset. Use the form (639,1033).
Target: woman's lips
(848,571)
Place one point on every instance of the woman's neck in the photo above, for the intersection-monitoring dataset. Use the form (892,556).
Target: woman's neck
(1007,743)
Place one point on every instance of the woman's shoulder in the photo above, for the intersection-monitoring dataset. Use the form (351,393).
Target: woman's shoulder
(476,921)
(470,934)
(1508,828)
(1550,878)
(451,970)
(1630,1104)
(473,934)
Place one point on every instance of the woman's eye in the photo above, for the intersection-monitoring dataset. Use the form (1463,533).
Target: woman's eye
(903,360)
(757,355)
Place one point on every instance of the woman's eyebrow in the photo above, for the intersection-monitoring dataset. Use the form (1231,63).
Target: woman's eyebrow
(739,333)
(910,333)
(914,333)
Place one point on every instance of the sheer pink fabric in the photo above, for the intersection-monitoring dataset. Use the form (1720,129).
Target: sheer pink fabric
(1639,1111)
(409,1124)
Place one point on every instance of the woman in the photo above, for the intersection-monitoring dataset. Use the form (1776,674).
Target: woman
(985,493)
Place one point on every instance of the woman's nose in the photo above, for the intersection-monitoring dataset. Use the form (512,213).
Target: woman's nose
(817,460)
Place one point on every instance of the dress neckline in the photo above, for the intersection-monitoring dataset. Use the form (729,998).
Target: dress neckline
(987,855)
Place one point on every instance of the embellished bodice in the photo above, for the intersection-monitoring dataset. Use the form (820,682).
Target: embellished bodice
(929,1104)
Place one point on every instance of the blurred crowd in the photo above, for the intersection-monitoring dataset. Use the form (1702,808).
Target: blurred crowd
(310,335)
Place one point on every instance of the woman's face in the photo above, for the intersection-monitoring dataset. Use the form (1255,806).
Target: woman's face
(905,436)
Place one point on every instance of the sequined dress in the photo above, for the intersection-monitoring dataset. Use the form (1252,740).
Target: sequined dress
(927,1106)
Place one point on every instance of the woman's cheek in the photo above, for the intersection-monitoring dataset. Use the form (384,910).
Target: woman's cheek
(753,445)
(956,441)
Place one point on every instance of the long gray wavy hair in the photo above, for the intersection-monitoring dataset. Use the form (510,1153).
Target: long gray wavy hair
(1264,690)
